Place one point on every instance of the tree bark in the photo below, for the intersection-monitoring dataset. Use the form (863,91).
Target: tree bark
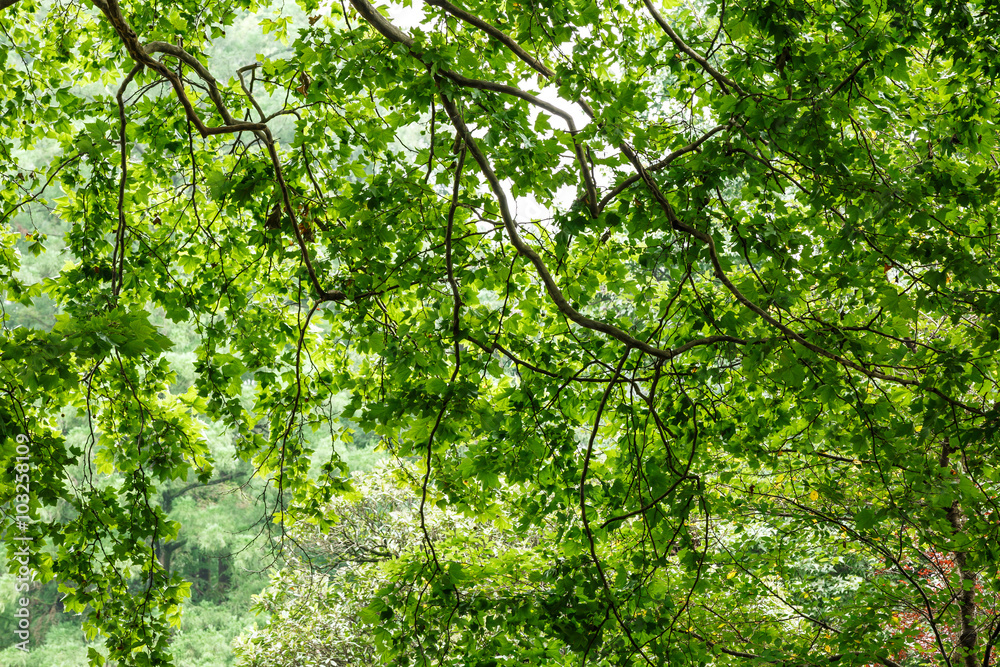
(969,636)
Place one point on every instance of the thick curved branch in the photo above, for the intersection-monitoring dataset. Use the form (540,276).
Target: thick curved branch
(720,273)
(380,23)
(394,34)
(496,34)
(480,84)
(142,58)
(170,495)
(543,272)
(539,67)
(200,70)
(723,80)
(130,40)
(4,4)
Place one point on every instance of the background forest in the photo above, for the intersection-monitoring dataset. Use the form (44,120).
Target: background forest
(226,549)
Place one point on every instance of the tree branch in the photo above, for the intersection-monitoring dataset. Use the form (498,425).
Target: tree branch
(723,80)
(170,495)
(130,40)
(583,509)
(542,69)
(384,26)
(48,181)
(394,34)
(543,272)
(720,273)
(969,636)
(200,70)
(662,163)
(141,55)
(118,257)
(850,77)
(495,33)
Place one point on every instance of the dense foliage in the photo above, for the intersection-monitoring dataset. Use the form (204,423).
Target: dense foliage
(704,295)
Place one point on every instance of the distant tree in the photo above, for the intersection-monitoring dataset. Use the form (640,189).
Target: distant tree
(324,607)
(707,292)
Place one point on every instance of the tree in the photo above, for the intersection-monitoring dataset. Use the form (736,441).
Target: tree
(708,292)
(324,606)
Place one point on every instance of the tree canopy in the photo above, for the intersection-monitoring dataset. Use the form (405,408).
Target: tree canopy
(702,295)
